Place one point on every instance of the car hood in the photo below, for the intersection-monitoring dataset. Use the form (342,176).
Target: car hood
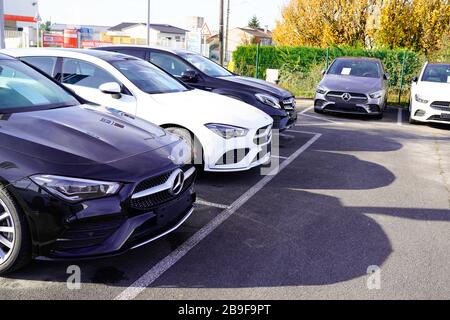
(81,135)
(259,86)
(206,107)
(433,91)
(351,84)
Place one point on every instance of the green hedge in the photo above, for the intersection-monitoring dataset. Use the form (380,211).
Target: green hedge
(300,66)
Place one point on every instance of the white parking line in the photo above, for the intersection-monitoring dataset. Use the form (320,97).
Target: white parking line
(280,157)
(400,117)
(211,204)
(303,113)
(154,273)
(306,110)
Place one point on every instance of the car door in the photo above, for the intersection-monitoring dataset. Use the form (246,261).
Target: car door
(176,67)
(85,78)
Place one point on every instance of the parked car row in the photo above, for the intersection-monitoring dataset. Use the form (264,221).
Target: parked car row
(98,149)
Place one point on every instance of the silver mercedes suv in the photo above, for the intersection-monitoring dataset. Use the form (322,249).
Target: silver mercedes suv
(354,86)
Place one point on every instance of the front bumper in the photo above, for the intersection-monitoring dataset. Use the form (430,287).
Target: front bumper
(238,154)
(97,228)
(436,112)
(361,106)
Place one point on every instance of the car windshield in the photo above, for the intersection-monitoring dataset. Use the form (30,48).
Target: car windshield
(355,68)
(206,66)
(437,73)
(21,87)
(148,78)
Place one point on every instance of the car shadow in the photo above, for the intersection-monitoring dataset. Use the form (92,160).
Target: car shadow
(284,236)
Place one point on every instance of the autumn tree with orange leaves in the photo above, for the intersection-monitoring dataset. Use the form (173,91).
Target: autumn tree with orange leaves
(420,25)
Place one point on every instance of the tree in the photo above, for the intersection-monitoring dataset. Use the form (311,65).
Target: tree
(254,23)
(323,22)
(46,26)
(416,24)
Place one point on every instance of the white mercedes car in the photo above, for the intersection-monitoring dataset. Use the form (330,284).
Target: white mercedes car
(224,134)
(430,94)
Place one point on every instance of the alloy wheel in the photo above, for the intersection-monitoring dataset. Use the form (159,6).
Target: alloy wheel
(7,233)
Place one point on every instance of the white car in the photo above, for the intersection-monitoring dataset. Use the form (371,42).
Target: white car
(430,94)
(224,134)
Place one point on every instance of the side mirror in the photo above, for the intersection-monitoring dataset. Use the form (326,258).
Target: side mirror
(386,76)
(112,88)
(415,79)
(189,76)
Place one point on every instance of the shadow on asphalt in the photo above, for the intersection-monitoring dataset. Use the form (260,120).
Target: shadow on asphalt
(284,236)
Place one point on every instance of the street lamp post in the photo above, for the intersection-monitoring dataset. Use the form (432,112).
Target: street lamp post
(148,22)
(2,26)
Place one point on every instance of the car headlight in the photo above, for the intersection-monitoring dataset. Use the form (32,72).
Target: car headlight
(268,100)
(321,90)
(73,189)
(227,131)
(421,99)
(377,95)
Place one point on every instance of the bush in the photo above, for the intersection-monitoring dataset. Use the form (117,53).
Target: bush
(300,67)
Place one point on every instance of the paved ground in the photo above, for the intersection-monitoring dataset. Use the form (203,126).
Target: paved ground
(353,193)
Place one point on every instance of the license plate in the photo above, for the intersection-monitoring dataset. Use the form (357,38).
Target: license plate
(445,115)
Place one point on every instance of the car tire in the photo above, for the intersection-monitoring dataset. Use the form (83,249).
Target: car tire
(19,254)
(379,116)
(189,138)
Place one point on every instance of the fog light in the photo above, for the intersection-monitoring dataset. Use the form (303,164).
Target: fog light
(420,113)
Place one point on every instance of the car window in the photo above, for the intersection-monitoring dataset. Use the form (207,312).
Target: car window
(356,68)
(23,87)
(147,77)
(45,64)
(141,54)
(437,73)
(84,74)
(207,66)
(169,63)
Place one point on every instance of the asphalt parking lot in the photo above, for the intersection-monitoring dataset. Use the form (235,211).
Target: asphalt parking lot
(352,193)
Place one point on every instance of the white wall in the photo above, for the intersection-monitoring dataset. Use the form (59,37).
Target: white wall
(20,7)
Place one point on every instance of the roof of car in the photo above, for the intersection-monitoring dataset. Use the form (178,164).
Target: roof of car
(103,55)
(5,57)
(359,58)
(172,50)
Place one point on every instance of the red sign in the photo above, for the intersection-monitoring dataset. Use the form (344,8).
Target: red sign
(11,17)
(52,39)
(94,43)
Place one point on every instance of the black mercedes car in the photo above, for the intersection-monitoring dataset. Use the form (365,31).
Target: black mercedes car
(199,72)
(353,86)
(79,180)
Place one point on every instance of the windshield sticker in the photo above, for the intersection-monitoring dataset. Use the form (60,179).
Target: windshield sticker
(346,71)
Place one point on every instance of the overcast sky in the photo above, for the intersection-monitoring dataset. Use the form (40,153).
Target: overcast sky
(112,12)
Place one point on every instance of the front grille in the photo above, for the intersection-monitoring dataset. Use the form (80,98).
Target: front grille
(262,137)
(343,107)
(84,234)
(151,201)
(233,156)
(289,104)
(439,118)
(267,149)
(336,96)
(441,105)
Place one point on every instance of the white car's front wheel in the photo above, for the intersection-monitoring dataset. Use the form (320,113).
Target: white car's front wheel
(193,144)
